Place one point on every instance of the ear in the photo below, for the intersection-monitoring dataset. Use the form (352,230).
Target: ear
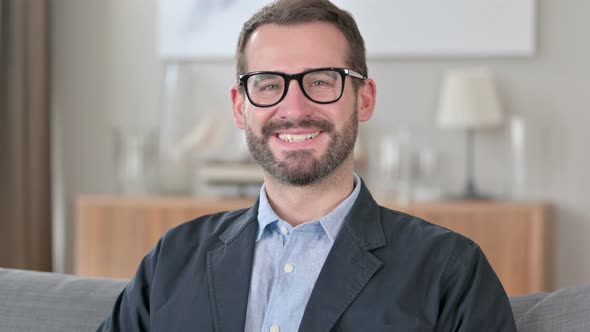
(366,97)
(237,100)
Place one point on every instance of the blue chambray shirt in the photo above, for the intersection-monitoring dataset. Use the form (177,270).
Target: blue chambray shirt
(287,262)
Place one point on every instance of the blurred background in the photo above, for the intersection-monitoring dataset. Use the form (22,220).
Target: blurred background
(105,108)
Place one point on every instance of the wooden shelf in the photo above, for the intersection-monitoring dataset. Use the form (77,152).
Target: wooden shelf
(113,233)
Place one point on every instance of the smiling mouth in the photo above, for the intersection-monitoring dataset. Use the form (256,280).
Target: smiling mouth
(293,138)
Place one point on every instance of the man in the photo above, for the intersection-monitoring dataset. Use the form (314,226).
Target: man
(315,252)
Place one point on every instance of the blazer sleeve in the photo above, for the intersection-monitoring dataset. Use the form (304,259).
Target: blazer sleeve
(472,298)
(131,311)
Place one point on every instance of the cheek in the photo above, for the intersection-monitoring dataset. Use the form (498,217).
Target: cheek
(341,115)
(254,118)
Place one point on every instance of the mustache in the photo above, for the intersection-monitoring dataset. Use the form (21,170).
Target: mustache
(323,125)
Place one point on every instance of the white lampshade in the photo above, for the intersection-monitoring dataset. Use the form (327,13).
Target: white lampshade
(469,100)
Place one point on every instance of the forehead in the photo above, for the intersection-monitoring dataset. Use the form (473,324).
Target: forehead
(297,47)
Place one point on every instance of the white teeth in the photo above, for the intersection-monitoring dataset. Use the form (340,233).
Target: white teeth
(297,138)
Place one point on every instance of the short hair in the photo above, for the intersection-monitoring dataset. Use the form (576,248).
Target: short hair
(290,12)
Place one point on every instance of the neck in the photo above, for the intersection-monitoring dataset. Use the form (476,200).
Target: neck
(299,204)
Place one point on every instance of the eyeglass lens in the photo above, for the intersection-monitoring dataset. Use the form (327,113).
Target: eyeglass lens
(322,86)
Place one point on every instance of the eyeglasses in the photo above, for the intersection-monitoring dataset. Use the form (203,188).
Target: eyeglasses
(321,85)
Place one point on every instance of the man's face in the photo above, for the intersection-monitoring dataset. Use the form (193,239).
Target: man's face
(299,141)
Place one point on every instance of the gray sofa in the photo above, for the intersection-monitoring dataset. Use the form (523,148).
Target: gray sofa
(40,301)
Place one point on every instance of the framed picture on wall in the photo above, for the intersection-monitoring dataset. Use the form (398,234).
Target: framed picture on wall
(208,29)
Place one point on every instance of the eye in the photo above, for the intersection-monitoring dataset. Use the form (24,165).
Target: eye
(319,83)
(270,87)
(265,83)
(323,79)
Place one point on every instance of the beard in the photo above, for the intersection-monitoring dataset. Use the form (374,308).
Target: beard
(301,168)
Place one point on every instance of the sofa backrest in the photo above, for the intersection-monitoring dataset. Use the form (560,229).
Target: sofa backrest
(564,310)
(42,301)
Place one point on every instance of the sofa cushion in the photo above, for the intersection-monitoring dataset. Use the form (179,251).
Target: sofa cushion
(564,310)
(41,301)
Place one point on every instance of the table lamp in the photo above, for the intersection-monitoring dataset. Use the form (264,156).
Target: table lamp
(469,102)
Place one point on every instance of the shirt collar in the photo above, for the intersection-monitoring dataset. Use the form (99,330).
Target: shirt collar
(266,215)
(331,223)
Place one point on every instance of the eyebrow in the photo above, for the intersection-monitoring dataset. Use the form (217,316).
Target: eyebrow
(260,77)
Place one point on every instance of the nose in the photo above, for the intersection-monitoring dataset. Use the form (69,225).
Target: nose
(295,105)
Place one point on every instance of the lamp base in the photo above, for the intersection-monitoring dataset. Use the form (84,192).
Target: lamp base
(471,194)
(470,197)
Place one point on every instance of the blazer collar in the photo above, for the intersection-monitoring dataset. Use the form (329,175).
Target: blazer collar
(363,222)
(238,226)
(229,268)
(349,265)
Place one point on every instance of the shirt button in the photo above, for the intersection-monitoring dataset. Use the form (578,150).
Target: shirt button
(275,328)
(284,230)
(288,268)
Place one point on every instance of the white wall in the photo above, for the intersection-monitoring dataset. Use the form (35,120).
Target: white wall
(105,73)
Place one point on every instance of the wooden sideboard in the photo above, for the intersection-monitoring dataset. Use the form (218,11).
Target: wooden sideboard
(112,233)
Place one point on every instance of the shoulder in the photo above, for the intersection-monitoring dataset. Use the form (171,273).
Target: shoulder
(203,229)
(187,244)
(215,223)
(196,237)
(421,238)
(401,224)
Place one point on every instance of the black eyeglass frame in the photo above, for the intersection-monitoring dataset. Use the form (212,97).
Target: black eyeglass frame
(242,81)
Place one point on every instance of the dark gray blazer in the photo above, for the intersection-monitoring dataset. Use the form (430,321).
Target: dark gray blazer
(387,271)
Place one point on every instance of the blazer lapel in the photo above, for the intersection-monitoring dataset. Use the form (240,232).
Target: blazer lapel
(348,267)
(229,268)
